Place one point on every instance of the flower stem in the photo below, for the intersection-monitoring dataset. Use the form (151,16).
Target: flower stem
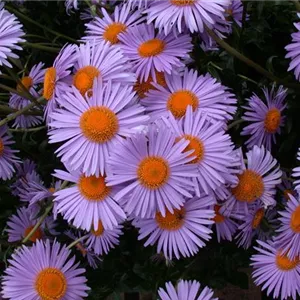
(28,129)
(297,4)
(41,47)
(77,241)
(8,110)
(14,91)
(233,124)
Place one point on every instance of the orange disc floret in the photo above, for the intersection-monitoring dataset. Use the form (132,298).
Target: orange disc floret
(284,263)
(1,147)
(84,78)
(99,231)
(258,217)
(171,221)
(27,83)
(37,235)
(295,220)
(182,2)
(287,193)
(151,48)
(49,83)
(218,218)
(196,145)
(112,31)
(272,120)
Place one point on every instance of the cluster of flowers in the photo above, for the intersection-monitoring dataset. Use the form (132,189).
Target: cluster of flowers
(145,139)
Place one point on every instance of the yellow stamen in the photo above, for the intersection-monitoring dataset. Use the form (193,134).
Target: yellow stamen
(84,78)
(49,83)
(151,48)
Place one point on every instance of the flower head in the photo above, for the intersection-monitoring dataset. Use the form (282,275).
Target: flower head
(296,174)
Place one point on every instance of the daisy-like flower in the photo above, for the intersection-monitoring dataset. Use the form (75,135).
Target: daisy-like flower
(57,78)
(235,12)
(91,128)
(89,200)
(294,51)
(109,27)
(30,82)
(21,224)
(194,14)
(103,240)
(266,118)
(181,232)
(186,290)
(203,93)
(212,149)
(44,271)
(150,52)
(295,173)
(289,231)
(11,33)
(70,5)
(103,61)
(141,4)
(155,170)
(286,188)
(256,182)
(225,226)
(275,271)
(8,160)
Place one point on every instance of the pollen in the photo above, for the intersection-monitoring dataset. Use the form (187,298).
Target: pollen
(284,263)
(99,124)
(142,87)
(151,48)
(249,188)
(49,83)
(37,235)
(272,120)
(51,284)
(112,31)
(295,220)
(153,172)
(27,83)
(1,147)
(258,218)
(99,231)
(93,188)
(179,101)
(84,78)
(182,2)
(218,217)
(171,221)
(196,145)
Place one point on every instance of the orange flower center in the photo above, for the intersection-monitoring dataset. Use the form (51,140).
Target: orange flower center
(179,101)
(99,124)
(182,2)
(151,48)
(229,11)
(258,218)
(196,145)
(218,217)
(112,31)
(84,78)
(81,249)
(49,83)
(295,220)
(272,120)
(249,188)
(142,87)
(153,172)
(37,235)
(170,221)
(1,147)
(287,193)
(93,188)
(284,263)
(99,231)
(27,83)
(51,190)
(51,284)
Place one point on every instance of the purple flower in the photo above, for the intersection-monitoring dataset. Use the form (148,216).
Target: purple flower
(44,271)
(286,188)
(235,12)
(154,170)
(194,14)
(296,174)
(275,271)
(141,4)
(181,232)
(266,118)
(91,128)
(89,200)
(186,290)
(150,52)
(8,160)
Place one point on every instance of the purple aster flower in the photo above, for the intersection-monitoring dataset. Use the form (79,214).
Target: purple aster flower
(293,50)
(10,35)
(109,27)
(70,5)
(181,232)
(103,61)
(212,149)
(203,93)
(225,226)
(30,82)
(141,4)
(186,290)
(256,182)
(57,78)
(266,118)
(44,271)
(275,271)
(155,172)
(235,12)
(102,240)
(8,160)
(91,128)
(20,225)
(194,14)
(286,188)
(296,174)
(289,231)
(150,52)
(89,200)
